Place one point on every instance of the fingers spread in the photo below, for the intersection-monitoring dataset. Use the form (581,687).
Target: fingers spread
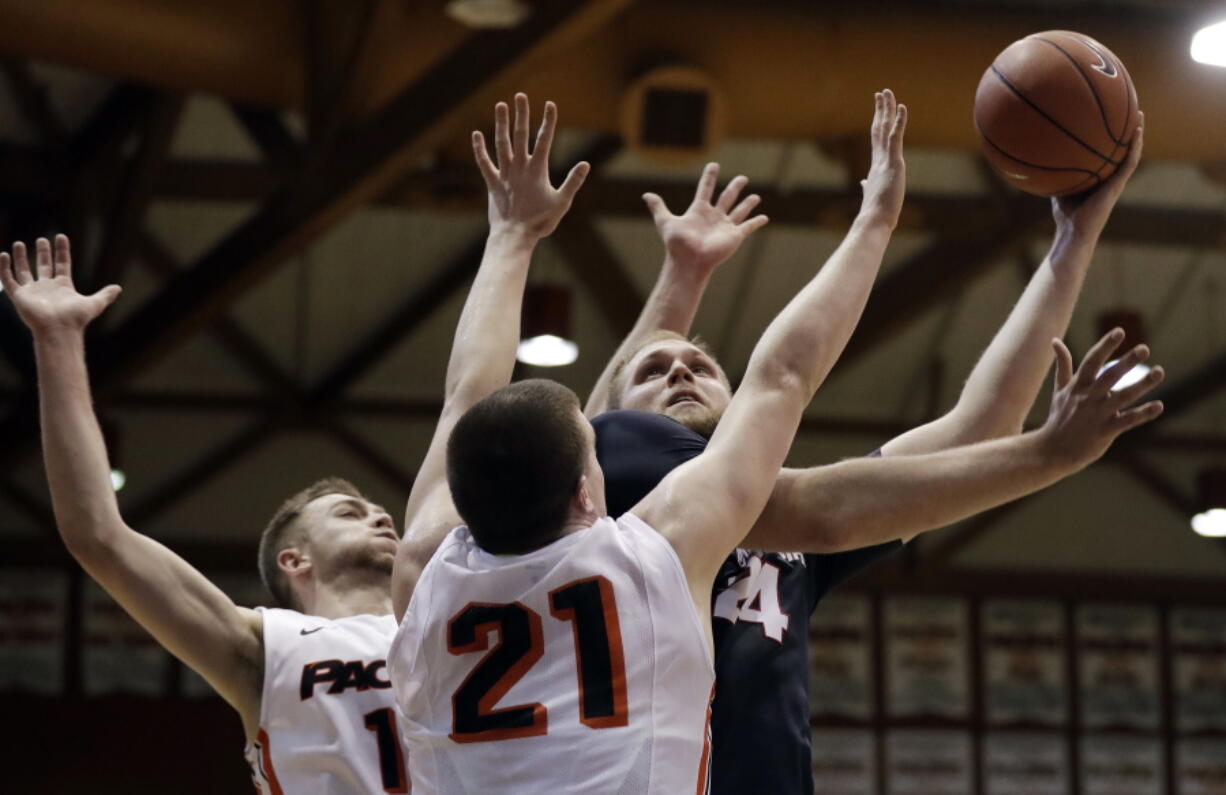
(742,210)
(574,180)
(520,132)
(106,296)
(1098,356)
(488,172)
(62,257)
(731,192)
(754,224)
(7,282)
(706,183)
(1064,364)
(656,206)
(21,264)
(502,134)
(1131,418)
(42,258)
(544,137)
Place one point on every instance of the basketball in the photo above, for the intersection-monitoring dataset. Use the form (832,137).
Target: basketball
(1056,112)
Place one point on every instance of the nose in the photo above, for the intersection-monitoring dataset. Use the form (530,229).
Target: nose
(679,372)
(382,520)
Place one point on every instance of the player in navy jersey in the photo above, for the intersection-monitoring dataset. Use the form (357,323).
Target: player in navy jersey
(843,516)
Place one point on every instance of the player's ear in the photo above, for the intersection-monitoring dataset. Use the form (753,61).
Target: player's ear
(293,561)
(582,498)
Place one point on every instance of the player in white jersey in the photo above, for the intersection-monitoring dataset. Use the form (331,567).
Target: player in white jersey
(311,725)
(309,678)
(519,472)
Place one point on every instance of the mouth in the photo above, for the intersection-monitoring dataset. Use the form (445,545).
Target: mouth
(388,534)
(683,398)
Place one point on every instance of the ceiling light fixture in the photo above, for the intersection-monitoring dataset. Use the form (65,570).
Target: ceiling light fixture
(1209,45)
(545,341)
(488,14)
(1211,499)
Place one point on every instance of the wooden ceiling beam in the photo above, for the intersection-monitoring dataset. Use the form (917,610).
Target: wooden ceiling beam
(125,214)
(365,162)
(913,287)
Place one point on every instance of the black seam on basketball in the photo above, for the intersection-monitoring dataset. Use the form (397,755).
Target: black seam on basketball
(1028,164)
(1042,113)
(1102,110)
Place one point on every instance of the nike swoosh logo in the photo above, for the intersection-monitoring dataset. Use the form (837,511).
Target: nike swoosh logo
(1104,65)
(305,631)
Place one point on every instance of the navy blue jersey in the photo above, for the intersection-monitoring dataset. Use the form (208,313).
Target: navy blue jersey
(760,603)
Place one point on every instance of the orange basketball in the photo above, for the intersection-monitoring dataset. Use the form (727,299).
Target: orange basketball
(1056,112)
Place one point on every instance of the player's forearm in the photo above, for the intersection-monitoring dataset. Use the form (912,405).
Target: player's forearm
(671,306)
(74,452)
(1004,383)
(483,353)
(866,501)
(807,337)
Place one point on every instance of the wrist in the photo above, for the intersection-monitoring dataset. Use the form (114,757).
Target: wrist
(874,222)
(514,235)
(1052,456)
(57,338)
(686,270)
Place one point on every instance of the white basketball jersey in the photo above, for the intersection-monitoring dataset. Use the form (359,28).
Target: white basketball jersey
(327,717)
(577,668)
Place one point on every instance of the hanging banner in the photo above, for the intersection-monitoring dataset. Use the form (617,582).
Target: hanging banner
(1198,649)
(1122,766)
(1200,766)
(1024,662)
(33,611)
(928,762)
(926,662)
(844,762)
(1117,666)
(119,655)
(247,591)
(1025,763)
(840,659)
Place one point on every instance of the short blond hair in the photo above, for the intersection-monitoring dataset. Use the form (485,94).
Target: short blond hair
(617,382)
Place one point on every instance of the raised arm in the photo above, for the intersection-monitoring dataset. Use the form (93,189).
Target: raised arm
(706,506)
(695,244)
(523,208)
(866,501)
(183,611)
(1007,378)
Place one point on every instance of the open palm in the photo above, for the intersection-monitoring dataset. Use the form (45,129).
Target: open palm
(708,233)
(45,297)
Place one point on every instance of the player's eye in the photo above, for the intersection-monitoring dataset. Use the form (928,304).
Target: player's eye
(699,369)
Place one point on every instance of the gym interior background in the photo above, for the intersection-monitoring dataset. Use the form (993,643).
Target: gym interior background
(285,191)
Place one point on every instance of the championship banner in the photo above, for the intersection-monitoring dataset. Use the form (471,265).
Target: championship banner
(927,673)
(1200,766)
(119,655)
(1117,666)
(928,762)
(1017,763)
(840,658)
(1121,766)
(1198,650)
(1024,669)
(844,762)
(247,591)
(33,609)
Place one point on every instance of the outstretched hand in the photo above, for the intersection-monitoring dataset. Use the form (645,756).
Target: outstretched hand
(45,297)
(520,194)
(886,183)
(1087,414)
(708,233)
(1088,212)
